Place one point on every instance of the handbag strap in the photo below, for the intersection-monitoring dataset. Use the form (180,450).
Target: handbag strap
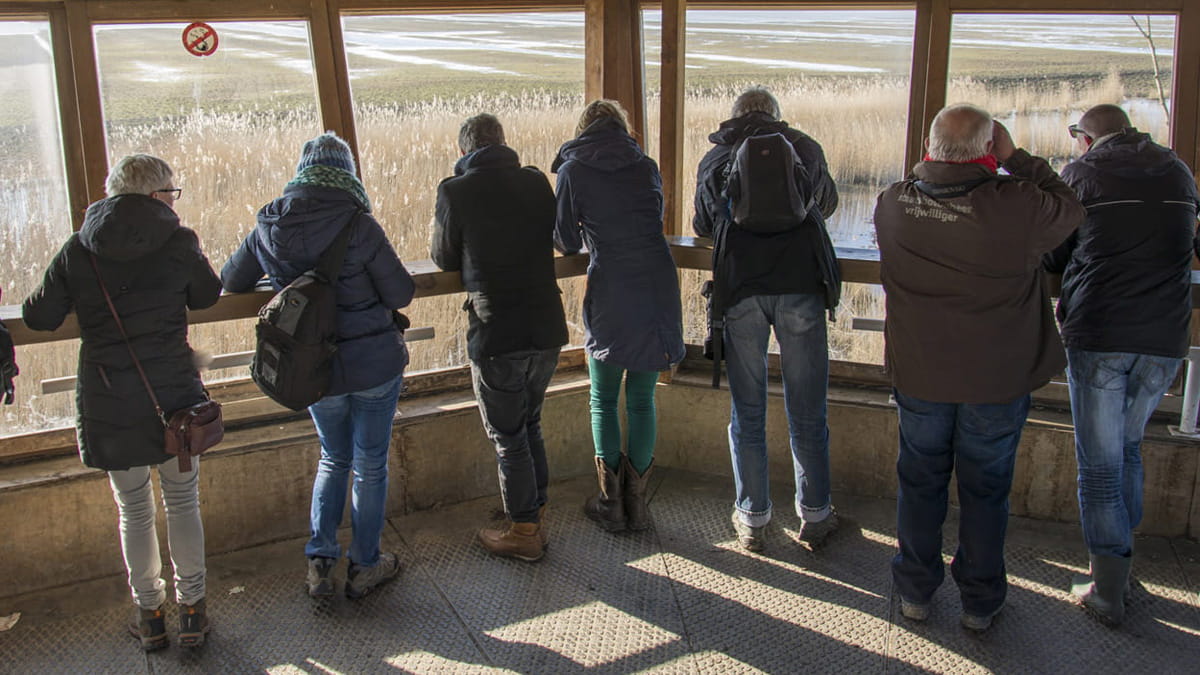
(121,327)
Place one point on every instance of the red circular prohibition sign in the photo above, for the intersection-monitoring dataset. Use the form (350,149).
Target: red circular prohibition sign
(199,39)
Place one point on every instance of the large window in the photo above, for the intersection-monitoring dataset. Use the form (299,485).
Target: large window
(414,80)
(34,212)
(1037,73)
(840,76)
(230,124)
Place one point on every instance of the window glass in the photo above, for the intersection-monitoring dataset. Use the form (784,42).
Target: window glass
(1037,73)
(414,79)
(34,211)
(230,124)
(842,77)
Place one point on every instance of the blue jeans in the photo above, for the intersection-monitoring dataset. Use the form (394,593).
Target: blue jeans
(355,431)
(979,443)
(1112,397)
(799,321)
(510,389)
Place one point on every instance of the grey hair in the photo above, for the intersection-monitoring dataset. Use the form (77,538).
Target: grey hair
(960,133)
(139,175)
(480,131)
(756,99)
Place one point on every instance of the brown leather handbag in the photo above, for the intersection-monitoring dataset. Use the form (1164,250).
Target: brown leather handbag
(188,432)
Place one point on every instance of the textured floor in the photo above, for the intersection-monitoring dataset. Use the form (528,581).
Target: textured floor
(681,598)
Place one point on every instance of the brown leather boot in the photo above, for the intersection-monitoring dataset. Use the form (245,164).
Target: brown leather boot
(606,508)
(522,541)
(637,516)
(543,531)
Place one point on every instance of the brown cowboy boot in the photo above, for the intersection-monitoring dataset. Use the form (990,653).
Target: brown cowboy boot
(637,517)
(607,508)
(522,541)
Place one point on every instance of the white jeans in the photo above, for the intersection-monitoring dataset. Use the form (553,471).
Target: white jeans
(139,538)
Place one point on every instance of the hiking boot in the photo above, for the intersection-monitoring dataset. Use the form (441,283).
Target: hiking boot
(150,628)
(979,622)
(360,580)
(193,624)
(607,508)
(320,576)
(1104,591)
(750,538)
(813,534)
(522,541)
(915,611)
(543,531)
(633,487)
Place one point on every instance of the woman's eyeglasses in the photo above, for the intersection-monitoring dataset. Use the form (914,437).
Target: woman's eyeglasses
(174,192)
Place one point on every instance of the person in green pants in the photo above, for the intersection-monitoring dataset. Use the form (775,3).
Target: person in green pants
(610,198)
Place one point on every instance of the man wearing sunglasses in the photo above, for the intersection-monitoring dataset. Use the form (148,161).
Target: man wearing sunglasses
(1124,310)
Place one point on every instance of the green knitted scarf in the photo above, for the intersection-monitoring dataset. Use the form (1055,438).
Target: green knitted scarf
(328,176)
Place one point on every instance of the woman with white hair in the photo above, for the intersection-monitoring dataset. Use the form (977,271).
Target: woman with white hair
(154,271)
(610,197)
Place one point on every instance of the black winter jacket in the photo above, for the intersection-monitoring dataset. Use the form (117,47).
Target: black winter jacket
(292,233)
(154,271)
(796,261)
(1126,271)
(494,223)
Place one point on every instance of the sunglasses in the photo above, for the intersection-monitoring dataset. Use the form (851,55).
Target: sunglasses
(1076,131)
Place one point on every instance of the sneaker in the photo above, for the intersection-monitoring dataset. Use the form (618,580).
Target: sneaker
(750,538)
(813,534)
(320,577)
(915,611)
(150,628)
(193,624)
(362,580)
(979,623)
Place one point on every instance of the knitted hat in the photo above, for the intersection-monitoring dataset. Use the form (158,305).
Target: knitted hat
(326,150)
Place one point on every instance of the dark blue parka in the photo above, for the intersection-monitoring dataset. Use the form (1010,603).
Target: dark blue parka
(610,196)
(154,271)
(1126,270)
(292,233)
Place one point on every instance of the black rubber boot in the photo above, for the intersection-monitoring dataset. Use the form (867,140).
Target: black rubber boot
(607,508)
(637,516)
(1103,591)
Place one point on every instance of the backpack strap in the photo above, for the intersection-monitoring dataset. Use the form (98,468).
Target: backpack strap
(334,257)
(952,190)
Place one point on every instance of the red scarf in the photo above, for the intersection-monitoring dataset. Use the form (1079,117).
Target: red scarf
(988,161)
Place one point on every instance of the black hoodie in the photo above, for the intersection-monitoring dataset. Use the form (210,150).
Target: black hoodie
(154,270)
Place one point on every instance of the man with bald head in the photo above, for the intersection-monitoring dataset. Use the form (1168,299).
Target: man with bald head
(969,335)
(1125,305)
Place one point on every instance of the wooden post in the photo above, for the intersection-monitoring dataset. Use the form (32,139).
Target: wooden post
(671,111)
(1185,90)
(68,113)
(614,66)
(332,73)
(933,24)
(87,96)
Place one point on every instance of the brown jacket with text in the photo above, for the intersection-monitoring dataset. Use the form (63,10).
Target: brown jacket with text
(968,313)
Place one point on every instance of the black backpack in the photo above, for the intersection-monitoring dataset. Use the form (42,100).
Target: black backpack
(767,185)
(297,332)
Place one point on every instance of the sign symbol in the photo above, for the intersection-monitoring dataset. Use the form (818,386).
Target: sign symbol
(200,39)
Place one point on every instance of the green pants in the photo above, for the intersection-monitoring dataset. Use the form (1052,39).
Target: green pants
(639,414)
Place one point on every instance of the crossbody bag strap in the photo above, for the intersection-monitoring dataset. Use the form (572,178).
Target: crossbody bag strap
(121,327)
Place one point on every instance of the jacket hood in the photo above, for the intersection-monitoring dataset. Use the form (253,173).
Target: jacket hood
(302,223)
(127,227)
(487,157)
(604,145)
(1132,155)
(732,131)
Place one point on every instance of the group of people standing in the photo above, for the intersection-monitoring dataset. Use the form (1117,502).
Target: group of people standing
(969,335)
